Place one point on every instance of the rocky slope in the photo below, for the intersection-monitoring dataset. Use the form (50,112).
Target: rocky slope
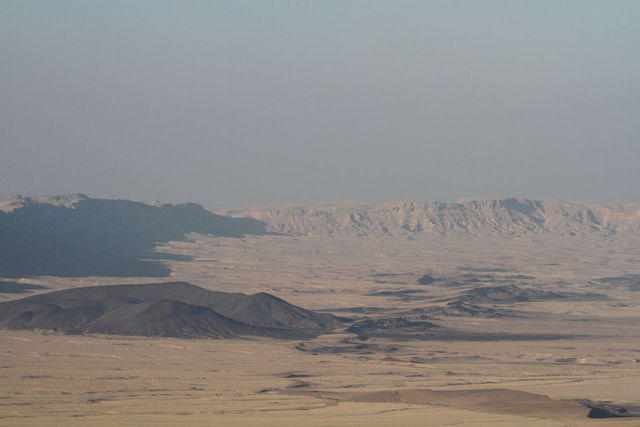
(475,217)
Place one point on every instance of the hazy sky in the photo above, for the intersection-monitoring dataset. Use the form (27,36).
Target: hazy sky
(245,102)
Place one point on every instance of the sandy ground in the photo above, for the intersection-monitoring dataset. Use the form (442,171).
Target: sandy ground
(54,379)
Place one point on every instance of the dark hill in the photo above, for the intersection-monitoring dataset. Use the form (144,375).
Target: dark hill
(74,235)
(169,318)
(267,310)
(174,309)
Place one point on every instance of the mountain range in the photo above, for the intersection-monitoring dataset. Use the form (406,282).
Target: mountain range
(74,235)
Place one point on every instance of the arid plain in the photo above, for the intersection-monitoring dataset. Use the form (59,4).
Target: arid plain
(557,335)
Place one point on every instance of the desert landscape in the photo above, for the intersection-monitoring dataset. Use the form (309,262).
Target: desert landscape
(485,312)
(319,213)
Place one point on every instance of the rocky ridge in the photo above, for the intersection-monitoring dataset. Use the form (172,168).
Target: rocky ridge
(510,216)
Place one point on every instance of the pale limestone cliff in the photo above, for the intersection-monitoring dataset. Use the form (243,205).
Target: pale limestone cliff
(476,217)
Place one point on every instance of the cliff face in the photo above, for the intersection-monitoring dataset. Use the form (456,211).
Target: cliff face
(473,217)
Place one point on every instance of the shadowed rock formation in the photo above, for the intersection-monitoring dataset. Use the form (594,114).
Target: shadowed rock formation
(19,288)
(75,236)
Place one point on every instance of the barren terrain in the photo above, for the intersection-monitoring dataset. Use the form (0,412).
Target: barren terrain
(529,328)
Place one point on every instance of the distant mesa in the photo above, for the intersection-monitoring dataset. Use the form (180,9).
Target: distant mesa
(427,280)
(401,293)
(464,309)
(174,309)
(75,236)
(513,293)
(631,281)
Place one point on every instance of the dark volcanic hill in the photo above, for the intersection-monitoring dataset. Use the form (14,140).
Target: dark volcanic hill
(267,310)
(74,235)
(175,309)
